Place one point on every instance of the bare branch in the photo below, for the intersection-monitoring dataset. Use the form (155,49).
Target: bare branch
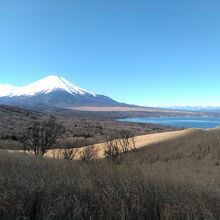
(42,135)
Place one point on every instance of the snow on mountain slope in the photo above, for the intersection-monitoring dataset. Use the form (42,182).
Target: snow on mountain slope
(43,86)
(6,90)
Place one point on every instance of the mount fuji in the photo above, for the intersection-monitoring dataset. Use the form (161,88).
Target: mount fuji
(52,91)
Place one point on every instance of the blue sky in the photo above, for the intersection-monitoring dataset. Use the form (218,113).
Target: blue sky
(143,52)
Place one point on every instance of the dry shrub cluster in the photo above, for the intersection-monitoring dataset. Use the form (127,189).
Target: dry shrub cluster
(117,146)
(38,188)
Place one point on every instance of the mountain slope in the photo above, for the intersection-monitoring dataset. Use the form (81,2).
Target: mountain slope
(43,86)
(52,91)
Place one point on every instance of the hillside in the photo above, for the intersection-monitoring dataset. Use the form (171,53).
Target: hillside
(191,144)
(173,178)
(13,121)
(92,127)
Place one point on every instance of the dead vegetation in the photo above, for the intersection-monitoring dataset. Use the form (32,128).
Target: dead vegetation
(116,147)
(90,127)
(176,179)
(172,178)
(88,153)
(41,136)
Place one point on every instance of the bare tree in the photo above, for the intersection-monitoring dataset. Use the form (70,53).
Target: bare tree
(69,149)
(88,153)
(69,153)
(124,145)
(42,135)
(115,148)
(127,141)
(112,151)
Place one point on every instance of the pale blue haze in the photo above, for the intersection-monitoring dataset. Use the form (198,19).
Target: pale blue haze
(136,51)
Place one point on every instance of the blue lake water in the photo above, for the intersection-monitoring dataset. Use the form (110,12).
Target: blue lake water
(185,121)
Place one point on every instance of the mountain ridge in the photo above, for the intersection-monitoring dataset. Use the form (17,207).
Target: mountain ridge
(208,108)
(52,91)
(45,85)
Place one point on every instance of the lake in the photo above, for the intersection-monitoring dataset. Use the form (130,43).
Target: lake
(184,121)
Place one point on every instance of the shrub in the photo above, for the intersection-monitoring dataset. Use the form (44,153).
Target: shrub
(88,153)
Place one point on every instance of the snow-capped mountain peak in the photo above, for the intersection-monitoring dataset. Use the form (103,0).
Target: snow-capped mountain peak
(43,86)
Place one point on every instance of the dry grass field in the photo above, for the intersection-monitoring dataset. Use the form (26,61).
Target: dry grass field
(170,176)
(140,141)
(126,109)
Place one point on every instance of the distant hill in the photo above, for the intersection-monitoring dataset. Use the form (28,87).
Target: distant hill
(209,109)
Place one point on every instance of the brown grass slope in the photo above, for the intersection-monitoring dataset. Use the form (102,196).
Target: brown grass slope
(140,141)
(195,144)
(193,159)
(174,179)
